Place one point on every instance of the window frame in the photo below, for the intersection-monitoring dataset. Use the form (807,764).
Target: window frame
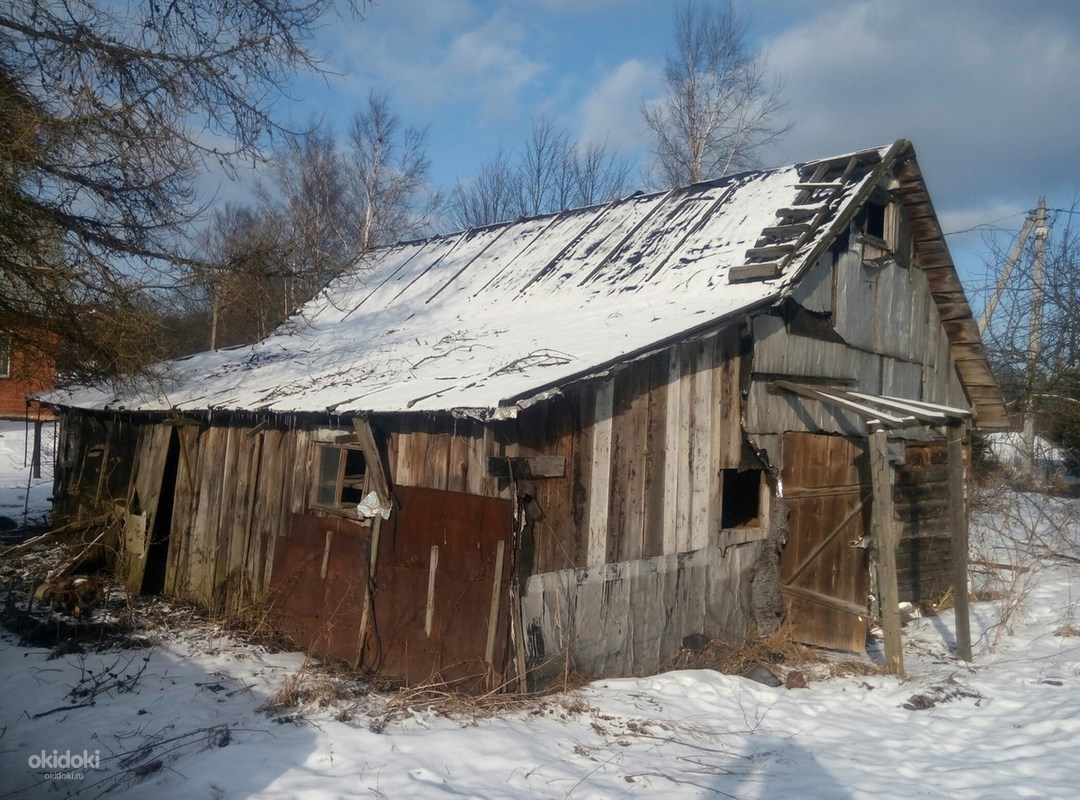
(340,480)
(5,355)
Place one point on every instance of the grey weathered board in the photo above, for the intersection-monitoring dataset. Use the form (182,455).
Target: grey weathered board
(630,618)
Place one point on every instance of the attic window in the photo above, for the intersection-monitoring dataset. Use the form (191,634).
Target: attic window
(875,220)
(5,355)
(741,503)
(340,478)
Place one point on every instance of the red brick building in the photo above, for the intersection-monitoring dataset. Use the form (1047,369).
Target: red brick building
(27,365)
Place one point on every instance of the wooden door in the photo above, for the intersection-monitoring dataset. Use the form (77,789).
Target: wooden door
(824,567)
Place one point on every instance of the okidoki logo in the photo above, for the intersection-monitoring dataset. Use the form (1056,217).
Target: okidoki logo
(65,760)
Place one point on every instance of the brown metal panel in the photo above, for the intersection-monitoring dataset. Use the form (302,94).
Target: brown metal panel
(320,577)
(825,579)
(321,612)
(466,529)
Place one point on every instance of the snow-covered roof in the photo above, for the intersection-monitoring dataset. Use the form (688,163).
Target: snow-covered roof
(482,320)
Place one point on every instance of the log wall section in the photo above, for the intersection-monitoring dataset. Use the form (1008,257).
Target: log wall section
(920,498)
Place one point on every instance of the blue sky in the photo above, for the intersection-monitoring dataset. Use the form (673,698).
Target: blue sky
(988,90)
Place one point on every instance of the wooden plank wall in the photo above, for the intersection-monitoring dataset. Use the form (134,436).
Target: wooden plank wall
(643,448)
(84,487)
(887,339)
(440,452)
(630,618)
(923,555)
(234,492)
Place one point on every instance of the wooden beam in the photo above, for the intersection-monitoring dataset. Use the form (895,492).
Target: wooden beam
(753,272)
(600,483)
(369,590)
(527,467)
(881,475)
(493,612)
(326,554)
(958,519)
(373,461)
(433,565)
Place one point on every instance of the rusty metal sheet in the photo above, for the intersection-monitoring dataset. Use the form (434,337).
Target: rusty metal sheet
(317,589)
(421,628)
(466,529)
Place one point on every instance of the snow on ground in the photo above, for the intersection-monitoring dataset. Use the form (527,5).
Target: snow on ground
(24,500)
(183,718)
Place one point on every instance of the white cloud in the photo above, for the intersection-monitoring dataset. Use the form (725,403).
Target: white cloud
(435,54)
(611,112)
(989,94)
(487,63)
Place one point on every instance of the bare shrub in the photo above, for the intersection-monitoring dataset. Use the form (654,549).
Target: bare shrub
(1014,537)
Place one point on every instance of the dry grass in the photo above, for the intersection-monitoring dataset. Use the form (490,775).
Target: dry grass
(778,647)
(448,700)
(779,652)
(316,684)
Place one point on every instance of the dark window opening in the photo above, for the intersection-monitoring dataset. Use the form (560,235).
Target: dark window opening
(341,478)
(875,220)
(741,501)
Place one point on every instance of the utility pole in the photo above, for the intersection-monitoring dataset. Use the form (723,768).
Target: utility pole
(1035,223)
(1038,271)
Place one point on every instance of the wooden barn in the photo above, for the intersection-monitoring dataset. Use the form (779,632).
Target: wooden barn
(580,441)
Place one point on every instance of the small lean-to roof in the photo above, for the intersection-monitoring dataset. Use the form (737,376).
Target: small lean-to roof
(480,321)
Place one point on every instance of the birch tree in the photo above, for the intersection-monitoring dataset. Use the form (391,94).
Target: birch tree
(719,107)
(389,175)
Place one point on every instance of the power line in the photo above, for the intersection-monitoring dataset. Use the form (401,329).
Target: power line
(991,223)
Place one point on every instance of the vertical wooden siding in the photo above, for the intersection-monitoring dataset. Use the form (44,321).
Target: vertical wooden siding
(234,492)
(886,338)
(644,449)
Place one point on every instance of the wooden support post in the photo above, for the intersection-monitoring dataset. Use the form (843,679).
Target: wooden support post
(369,593)
(432,567)
(493,613)
(373,460)
(517,630)
(958,520)
(881,474)
(35,459)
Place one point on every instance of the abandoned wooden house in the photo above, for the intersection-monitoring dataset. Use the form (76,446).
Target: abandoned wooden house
(578,441)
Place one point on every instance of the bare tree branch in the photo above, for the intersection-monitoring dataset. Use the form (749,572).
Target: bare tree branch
(109,114)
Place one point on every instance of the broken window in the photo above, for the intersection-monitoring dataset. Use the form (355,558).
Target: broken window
(5,355)
(340,478)
(741,499)
(875,220)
